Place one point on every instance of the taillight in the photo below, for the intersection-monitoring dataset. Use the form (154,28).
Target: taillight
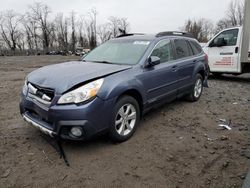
(206,58)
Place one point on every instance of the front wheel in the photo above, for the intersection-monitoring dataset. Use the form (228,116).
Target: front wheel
(125,118)
(197,89)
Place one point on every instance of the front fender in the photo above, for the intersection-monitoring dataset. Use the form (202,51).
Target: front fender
(117,84)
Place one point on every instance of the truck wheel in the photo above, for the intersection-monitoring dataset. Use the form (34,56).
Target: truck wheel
(125,119)
(217,74)
(197,89)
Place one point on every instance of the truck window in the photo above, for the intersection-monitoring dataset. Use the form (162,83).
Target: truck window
(230,37)
(182,49)
(164,51)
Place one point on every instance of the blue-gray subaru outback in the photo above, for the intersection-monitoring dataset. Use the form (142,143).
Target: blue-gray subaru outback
(114,85)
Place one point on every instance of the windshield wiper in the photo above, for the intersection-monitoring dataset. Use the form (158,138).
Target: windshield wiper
(106,62)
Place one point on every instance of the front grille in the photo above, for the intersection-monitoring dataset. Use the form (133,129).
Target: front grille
(40,94)
(46,91)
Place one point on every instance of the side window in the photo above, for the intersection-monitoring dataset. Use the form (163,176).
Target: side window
(164,51)
(195,47)
(230,37)
(182,49)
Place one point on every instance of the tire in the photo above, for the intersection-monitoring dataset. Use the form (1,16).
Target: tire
(125,119)
(197,89)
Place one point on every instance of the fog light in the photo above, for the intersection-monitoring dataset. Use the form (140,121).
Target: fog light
(76,131)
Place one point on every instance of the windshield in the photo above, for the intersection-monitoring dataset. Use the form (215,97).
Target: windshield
(118,52)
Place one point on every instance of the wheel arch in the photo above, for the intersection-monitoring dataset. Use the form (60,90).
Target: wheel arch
(135,94)
(202,73)
(200,70)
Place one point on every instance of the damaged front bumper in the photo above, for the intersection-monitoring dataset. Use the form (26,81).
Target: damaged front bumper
(38,125)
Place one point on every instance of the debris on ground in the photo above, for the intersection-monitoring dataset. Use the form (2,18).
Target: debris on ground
(223,137)
(225,124)
(6,173)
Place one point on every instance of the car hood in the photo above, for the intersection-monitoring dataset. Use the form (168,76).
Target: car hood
(62,77)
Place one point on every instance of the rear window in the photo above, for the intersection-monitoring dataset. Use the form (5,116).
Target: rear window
(195,47)
(182,49)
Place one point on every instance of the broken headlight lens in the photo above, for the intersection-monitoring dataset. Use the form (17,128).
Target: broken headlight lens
(25,86)
(82,93)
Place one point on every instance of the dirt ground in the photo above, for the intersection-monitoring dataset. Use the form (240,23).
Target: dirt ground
(176,145)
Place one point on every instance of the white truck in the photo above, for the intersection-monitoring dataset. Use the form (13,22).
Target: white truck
(229,50)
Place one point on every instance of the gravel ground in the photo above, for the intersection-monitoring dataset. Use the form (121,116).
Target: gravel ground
(176,145)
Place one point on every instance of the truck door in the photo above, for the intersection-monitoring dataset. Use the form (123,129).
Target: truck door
(223,52)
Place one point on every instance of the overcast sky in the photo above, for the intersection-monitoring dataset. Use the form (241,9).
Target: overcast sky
(146,16)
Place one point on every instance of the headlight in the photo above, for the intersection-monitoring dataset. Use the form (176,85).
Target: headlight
(25,86)
(82,93)
(26,81)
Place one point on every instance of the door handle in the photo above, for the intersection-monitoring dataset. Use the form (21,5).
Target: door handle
(174,68)
(236,49)
(195,61)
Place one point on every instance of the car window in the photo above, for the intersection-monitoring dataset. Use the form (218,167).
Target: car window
(164,51)
(230,37)
(195,47)
(182,49)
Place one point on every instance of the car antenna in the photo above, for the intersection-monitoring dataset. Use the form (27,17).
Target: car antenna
(56,143)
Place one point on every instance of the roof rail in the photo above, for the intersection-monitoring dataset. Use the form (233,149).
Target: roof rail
(128,34)
(174,33)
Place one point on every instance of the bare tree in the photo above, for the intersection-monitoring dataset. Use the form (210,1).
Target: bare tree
(36,30)
(81,26)
(91,28)
(40,14)
(207,29)
(202,29)
(234,16)
(124,25)
(61,27)
(73,31)
(235,13)
(30,30)
(104,33)
(10,28)
(53,42)
(118,26)
(114,26)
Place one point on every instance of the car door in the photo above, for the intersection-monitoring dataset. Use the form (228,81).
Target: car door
(160,81)
(186,64)
(224,58)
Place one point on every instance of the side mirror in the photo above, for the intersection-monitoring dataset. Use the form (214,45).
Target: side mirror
(152,61)
(211,44)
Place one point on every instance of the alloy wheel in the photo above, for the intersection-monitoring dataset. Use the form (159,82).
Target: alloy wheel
(198,88)
(125,119)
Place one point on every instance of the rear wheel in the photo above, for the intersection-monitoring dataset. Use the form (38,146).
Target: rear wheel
(125,118)
(197,89)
